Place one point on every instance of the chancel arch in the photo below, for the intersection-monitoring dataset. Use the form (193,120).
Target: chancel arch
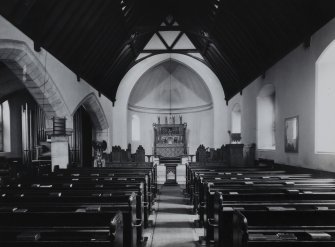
(120,110)
(172,89)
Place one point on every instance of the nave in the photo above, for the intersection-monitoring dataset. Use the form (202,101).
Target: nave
(123,206)
(174,221)
(127,123)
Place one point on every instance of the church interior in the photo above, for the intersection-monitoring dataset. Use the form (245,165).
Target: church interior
(167,123)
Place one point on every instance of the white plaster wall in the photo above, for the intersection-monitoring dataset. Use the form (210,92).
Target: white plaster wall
(72,91)
(120,110)
(6,127)
(199,129)
(325,94)
(294,81)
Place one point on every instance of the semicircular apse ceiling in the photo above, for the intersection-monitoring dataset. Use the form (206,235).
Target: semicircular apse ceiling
(170,87)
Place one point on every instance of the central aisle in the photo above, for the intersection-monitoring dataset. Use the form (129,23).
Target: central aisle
(174,223)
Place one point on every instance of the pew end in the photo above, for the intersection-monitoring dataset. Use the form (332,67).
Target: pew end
(240,229)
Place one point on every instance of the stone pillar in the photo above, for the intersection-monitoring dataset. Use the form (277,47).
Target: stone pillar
(59,151)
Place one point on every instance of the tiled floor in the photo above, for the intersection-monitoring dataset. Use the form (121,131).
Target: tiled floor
(173,221)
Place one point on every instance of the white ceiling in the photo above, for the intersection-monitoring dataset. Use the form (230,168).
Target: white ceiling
(170,85)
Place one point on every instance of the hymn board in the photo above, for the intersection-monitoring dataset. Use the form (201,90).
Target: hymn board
(170,138)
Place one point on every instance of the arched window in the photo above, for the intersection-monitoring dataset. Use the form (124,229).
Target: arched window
(325,101)
(4,127)
(135,128)
(236,119)
(266,118)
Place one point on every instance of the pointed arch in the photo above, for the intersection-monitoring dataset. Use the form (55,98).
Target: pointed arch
(120,116)
(22,61)
(95,111)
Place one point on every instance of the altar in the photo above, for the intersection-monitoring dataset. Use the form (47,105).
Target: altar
(170,138)
(170,146)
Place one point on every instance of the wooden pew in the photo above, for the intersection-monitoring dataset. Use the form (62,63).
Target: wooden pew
(279,185)
(123,167)
(103,187)
(196,175)
(283,228)
(240,177)
(125,203)
(277,188)
(223,214)
(62,228)
(213,204)
(121,173)
(96,182)
(251,184)
(83,193)
(192,170)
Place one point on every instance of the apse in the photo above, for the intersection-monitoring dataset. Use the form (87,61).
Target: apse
(169,89)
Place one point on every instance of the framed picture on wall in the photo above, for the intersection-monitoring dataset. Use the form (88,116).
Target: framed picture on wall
(292,134)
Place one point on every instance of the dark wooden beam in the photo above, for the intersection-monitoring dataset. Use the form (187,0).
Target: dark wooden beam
(177,39)
(56,25)
(164,52)
(182,51)
(21,11)
(163,41)
(78,37)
